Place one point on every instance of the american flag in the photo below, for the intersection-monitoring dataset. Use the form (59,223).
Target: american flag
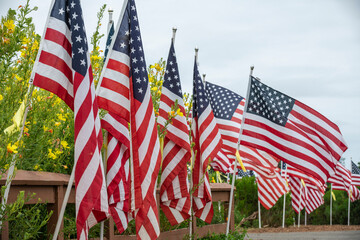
(208,143)
(355,174)
(311,194)
(125,91)
(291,131)
(341,180)
(271,189)
(174,189)
(63,67)
(228,109)
(117,169)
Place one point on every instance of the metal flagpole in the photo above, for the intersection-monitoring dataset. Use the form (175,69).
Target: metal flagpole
(259,209)
(301,187)
(11,170)
(110,11)
(192,223)
(283,219)
(330,204)
(350,193)
(235,164)
(306,196)
(349,209)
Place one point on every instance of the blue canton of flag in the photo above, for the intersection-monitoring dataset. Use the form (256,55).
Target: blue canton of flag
(223,101)
(354,169)
(241,173)
(269,103)
(71,14)
(172,74)
(109,40)
(131,45)
(201,101)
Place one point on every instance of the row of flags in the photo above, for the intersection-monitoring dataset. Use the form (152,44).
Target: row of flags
(263,129)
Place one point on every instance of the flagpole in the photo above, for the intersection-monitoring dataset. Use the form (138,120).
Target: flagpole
(11,171)
(330,204)
(349,209)
(306,196)
(13,162)
(191,225)
(235,164)
(349,196)
(110,11)
(301,186)
(283,220)
(259,209)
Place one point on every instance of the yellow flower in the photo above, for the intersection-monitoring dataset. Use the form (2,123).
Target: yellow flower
(65,167)
(64,144)
(45,128)
(154,88)
(38,98)
(61,117)
(151,79)
(36,167)
(25,41)
(1,97)
(11,148)
(58,152)
(57,124)
(159,92)
(35,46)
(26,130)
(18,78)
(178,112)
(10,25)
(51,154)
(158,67)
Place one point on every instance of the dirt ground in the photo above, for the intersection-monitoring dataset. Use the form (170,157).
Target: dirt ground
(308,228)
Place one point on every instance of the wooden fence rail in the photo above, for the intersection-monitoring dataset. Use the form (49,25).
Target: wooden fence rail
(51,187)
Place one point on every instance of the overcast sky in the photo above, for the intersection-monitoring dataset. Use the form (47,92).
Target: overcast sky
(307,49)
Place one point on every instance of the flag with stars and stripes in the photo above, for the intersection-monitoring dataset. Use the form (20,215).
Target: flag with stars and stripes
(341,180)
(63,68)
(117,169)
(208,143)
(291,131)
(125,91)
(355,174)
(174,189)
(228,108)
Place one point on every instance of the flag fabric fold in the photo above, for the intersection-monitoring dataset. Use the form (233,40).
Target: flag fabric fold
(117,169)
(125,91)
(291,131)
(63,68)
(174,187)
